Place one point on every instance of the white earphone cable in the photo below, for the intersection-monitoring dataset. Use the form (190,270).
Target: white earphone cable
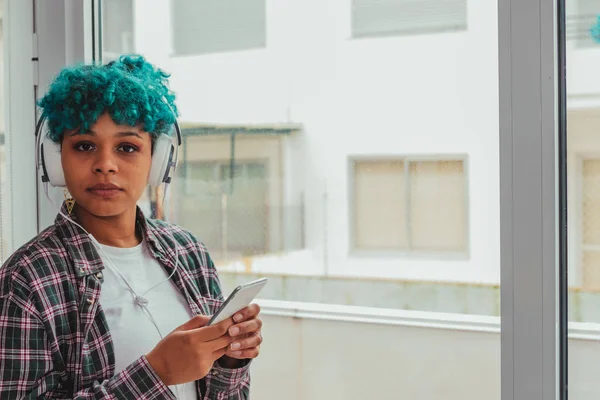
(140,300)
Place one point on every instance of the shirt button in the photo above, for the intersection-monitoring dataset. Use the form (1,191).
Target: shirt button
(81,271)
(90,300)
(99,275)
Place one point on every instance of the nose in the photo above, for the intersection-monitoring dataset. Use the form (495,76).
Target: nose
(105,162)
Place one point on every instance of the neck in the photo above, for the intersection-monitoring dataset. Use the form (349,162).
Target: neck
(116,231)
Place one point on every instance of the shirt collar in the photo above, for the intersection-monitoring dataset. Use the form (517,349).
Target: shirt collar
(83,252)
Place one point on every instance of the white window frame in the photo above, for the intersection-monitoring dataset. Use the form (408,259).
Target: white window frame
(19,217)
(532,366)
(406,159)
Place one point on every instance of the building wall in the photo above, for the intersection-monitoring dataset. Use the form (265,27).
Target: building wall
(431,95)
(324,359)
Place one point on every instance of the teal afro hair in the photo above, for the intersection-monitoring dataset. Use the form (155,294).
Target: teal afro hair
(130,89)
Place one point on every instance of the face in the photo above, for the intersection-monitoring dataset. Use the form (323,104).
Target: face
(106,169)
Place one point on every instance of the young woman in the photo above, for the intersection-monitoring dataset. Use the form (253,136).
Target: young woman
(105,303)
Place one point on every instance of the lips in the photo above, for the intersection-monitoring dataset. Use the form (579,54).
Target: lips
(104,186)
(104,190)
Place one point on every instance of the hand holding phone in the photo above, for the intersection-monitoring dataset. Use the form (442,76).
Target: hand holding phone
(239,298)
(188,353)
(246,329)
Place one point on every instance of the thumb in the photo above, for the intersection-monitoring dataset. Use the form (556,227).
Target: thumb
(197,322)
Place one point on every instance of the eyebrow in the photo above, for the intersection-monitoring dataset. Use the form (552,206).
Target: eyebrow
(118,134)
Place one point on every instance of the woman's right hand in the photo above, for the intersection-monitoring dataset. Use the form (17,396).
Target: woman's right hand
(189,352)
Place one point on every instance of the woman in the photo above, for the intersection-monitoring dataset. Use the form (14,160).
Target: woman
(72,324)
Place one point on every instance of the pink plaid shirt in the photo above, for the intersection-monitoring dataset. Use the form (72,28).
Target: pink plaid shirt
(54,338)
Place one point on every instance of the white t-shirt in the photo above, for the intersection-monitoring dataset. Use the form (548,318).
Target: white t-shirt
(132,330)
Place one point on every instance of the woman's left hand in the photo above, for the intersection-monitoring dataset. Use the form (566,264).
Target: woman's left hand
(247,333)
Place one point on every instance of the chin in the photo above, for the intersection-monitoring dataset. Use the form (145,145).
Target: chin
(105,208)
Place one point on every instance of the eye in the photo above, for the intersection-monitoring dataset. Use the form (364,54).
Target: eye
(83,146)
(127,148)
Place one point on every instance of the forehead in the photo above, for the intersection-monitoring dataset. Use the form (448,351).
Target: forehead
(105,124)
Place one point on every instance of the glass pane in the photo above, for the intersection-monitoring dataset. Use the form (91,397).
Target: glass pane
(117,27)
(583,169)
(380,205)
(5,245)
(438,206)
(347,150)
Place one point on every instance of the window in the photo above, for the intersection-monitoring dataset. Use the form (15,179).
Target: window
(410,205)
(582,16)
(228,211)
(590,226)
(407,17)
(4,240)
(583,188)
(117,27)
(209,26)
(295,209)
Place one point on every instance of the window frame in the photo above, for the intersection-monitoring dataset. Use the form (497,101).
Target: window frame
(20,208)
(533,226)
(408,252)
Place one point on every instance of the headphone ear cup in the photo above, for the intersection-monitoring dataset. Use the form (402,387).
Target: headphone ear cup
(52,163)
(161,160)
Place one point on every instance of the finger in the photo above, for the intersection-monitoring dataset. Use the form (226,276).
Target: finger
(214,331)
(219,353)
(197,322)
(251,326)
(248,343)
(222,342)
(247,313)
(244,354)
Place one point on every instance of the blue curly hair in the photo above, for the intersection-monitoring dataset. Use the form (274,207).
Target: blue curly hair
(130,89)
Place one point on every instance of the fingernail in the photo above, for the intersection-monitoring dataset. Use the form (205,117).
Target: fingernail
(237,317)
(235,345)
(236,353)
(234,331)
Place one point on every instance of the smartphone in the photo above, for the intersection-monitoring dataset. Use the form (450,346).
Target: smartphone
(239,298)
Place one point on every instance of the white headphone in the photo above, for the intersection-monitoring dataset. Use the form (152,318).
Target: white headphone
(164,157)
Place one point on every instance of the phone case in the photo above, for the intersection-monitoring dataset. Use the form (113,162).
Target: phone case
(239,298)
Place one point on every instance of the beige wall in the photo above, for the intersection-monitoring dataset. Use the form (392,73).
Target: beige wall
(583,141)
(319,359)
(310,359)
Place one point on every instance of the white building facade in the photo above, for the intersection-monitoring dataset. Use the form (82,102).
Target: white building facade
(372,133)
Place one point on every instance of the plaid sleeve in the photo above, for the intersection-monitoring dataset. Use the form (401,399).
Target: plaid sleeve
(25,357)
(228,384)
(28,370)
(137,381)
